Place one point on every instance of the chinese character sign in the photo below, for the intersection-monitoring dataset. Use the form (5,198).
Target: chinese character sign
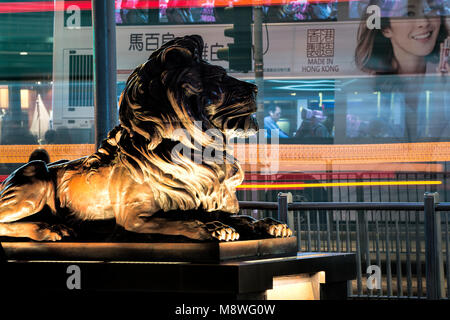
(152,41)
(320,51)
(320,43)
(136,44)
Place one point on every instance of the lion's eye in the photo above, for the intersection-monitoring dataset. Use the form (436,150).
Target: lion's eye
(216,93)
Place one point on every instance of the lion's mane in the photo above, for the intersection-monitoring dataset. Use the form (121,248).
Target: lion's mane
(176,97)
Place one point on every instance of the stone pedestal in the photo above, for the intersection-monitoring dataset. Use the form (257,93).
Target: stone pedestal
(194,252)
(132,268)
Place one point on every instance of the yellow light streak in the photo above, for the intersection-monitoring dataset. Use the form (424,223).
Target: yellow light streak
(336,184)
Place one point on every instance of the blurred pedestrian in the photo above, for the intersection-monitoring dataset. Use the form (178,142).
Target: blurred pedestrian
(270,123)
(39,154)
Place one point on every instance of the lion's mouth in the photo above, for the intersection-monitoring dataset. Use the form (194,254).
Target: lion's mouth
(243,125)
(236,118)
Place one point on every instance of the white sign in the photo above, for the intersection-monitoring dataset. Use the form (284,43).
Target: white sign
(136,44)
(294,50)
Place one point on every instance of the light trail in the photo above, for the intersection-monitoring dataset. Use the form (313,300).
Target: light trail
(334,184)
(48,6)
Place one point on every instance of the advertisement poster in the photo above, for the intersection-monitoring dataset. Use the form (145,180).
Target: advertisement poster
(292,49)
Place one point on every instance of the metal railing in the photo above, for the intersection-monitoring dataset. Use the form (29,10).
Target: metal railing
(402,239)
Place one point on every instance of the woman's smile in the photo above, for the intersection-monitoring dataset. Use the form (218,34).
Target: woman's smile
(413,38)
(424,36)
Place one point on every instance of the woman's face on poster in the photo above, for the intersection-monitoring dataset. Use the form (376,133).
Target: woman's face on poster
(414,29)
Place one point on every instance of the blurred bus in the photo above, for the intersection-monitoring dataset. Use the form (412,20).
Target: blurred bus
(352,136)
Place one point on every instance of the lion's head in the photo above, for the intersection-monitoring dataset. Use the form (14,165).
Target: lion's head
(176,98)
(176,89)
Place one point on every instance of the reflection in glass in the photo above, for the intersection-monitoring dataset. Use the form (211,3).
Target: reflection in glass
(302,10)
(408,48)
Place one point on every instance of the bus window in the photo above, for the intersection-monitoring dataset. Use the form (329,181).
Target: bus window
(328,78)
(405,108)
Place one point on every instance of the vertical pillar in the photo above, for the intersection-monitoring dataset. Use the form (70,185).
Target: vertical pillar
(285,215)
(433,248)
(258,62)
(259,77)
(15,107)
(282,207)
(105,97)
(363,228)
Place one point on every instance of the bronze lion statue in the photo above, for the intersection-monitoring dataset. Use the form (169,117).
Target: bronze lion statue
(140,177)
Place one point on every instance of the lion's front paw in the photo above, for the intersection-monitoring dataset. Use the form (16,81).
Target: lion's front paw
(44,232)
(274,228)
(221,231)
(280,230)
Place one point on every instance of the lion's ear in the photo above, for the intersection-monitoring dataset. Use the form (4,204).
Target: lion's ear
(176,56)
(181,51)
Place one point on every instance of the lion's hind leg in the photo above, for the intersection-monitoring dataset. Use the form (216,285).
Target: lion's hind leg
(26,192)
(38,231)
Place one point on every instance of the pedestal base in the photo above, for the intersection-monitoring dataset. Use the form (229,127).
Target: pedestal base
(199,252)
(244,278)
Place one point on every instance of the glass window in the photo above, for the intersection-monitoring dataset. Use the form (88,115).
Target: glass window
(336,75)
